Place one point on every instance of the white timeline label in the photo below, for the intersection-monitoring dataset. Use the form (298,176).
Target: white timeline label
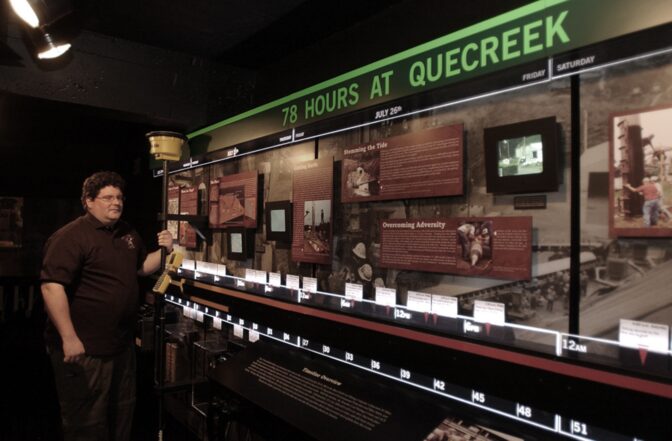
(310,284)
(293,281)
(354,291)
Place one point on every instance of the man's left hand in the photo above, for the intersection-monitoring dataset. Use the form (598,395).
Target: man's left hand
(165,240)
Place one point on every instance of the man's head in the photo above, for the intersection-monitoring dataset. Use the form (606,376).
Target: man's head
(103,196)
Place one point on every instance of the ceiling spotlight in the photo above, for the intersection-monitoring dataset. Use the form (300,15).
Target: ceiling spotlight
(49,48)
(25,11)
(37,13)
(42,16)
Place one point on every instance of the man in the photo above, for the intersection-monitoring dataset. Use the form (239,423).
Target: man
(650,208)
(90,290)
(465,234)
(358,182)
(662,209)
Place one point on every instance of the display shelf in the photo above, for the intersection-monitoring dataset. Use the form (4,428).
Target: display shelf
(574,422)
(589,351)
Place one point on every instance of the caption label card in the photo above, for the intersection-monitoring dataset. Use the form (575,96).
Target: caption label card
(419,301)
(274,279)
(293,282)
(445,306)
(489,312)
(652,336)
(386,296)
(354,291)
(188,264)
(310,284)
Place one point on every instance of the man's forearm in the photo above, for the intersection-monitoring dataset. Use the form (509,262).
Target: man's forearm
(153,260)
(58,309)
(151,264)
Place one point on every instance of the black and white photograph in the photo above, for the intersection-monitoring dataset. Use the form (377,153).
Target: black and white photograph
(317,227)
(362,175)
(641,183)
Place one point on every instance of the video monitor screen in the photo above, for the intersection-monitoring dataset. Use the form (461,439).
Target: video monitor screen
(520,156)
(278,221)
(236,243)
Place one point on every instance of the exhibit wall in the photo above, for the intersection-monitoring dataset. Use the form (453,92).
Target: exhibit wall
(447,228)
(519,202)
(398,214)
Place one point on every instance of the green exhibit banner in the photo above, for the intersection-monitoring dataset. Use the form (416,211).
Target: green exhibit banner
(540,29)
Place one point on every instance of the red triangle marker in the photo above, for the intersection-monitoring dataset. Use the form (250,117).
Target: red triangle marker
(435,318)
(642,355)
(487,328)
(426,316)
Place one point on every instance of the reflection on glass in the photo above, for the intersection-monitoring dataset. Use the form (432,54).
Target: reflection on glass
(520,156)
(236,243)
(278,221)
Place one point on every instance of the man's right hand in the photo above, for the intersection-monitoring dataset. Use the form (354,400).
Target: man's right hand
(73,349)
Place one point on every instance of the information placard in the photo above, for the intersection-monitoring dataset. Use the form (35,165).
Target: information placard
(173,208)
(312,215)
(326,401)
(414,165)
(188,205)
(497,247)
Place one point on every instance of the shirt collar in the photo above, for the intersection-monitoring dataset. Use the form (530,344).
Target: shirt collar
(98,225)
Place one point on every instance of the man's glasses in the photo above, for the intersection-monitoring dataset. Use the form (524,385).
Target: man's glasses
(109,199)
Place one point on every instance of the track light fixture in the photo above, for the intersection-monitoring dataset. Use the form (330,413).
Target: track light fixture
(49,48)
(25,11)
(40,14)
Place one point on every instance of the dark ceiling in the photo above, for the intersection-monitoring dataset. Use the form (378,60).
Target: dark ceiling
(244,33)
(270,37)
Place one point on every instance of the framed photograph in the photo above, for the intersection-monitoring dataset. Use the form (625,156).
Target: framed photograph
(522,157)
(233,200)
(279,221)
(317,227)
(640,184)
(239,243)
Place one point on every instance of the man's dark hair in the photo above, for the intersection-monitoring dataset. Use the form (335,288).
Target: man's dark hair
(99,180)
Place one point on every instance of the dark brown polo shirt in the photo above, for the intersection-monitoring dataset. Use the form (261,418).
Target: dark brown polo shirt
(98,266)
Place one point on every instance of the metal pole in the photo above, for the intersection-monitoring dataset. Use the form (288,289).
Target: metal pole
(160,313)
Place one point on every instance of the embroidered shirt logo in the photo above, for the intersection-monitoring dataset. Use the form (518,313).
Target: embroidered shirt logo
(129,241)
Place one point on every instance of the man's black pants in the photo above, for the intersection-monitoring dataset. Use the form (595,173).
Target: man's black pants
(97,396)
